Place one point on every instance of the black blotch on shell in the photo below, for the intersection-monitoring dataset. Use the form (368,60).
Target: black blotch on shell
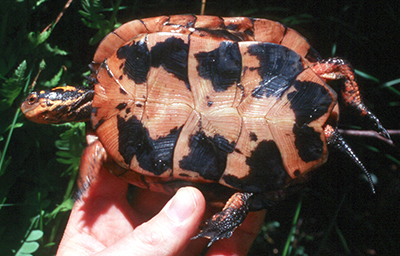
(172,55)
(154,156)
(137,61)
(222,66)
(308,143)
(122,91)
(267,172)
(279,67)
(309,102)
(121,106)
(207,156)
(253,136)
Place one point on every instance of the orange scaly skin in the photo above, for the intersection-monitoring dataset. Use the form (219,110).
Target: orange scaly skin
(337,68)
(334,69)
(234,211)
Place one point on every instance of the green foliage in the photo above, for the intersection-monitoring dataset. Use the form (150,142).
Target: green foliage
(288,246)
(337,215)
(11,88)
(27,48)
(93,17)
(55,80)
(30,245)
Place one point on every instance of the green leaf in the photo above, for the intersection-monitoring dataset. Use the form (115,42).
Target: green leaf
(38,38)
(394,90)
(35,235)
(366,76)
(42,65)
(374,149)
(30,245)
(27,249)
(65,154)
(298,19)
(39,2)
(93,18)
(55,50)
(65,161)
(397,161)
(12,87)
(55,80)
(391,83)
(63,207)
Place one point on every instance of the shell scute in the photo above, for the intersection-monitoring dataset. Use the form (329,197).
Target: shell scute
(239,24)
(222,66)
(186,21)
(137,60)
(207,155)
(193,101)
(171,52)
(266,156)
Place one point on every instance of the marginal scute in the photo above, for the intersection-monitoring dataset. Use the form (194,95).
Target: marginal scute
(182,20)
(268,31)
(209,22)
(299,44)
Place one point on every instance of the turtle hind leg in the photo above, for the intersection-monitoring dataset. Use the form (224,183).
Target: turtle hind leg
(92,160)
(222,224)
(336,140)
(337,68)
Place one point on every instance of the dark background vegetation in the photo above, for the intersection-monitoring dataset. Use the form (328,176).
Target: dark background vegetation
(338,214)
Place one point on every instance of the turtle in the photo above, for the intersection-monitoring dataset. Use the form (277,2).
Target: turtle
(238,107)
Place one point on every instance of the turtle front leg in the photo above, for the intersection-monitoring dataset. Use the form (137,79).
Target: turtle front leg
(92,160)
(337,68)
(222,224)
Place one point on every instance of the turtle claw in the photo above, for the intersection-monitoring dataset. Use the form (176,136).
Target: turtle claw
(214,233)
(223,224)
(381,130)
(378,127)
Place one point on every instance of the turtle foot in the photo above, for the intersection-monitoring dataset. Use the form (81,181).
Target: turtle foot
(223,224)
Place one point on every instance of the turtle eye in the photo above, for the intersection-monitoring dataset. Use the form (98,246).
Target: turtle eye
(32,98)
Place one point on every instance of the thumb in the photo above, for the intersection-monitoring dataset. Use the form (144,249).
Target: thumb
(169,232)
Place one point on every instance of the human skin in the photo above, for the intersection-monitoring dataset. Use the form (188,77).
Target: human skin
(103,222)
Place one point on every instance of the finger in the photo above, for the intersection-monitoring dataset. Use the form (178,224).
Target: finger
(169,232)
(99,218)
(147,204)
(242,239)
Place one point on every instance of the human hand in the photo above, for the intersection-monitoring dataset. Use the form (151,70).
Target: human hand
(104,223)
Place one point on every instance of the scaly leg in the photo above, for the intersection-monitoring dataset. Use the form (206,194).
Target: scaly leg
(336,68)
(92,160)
(336,140)
(222,224)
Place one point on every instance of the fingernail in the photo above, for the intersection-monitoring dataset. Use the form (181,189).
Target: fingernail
(181,206)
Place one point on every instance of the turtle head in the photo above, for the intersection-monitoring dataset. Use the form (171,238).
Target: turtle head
(59,105)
